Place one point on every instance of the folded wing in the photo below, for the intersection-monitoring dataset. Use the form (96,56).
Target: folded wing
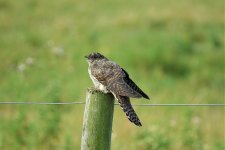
(124,86)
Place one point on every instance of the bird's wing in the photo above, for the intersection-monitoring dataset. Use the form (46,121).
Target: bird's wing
(122,85)
(103,71)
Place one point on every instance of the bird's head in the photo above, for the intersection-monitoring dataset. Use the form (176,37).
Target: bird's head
(95,56)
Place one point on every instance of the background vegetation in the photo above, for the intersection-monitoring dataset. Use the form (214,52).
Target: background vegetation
(174,50)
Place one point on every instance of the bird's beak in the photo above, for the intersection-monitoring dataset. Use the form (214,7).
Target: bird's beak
(85,56)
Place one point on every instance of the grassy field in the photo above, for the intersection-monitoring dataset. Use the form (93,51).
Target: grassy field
(174,50)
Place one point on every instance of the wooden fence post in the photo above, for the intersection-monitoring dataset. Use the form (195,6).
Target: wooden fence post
(97,122)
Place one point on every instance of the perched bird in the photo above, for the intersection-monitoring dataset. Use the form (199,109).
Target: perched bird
(108,76)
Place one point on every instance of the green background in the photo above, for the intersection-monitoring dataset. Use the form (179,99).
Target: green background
(174,51)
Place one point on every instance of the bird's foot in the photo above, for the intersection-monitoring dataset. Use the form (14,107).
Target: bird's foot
(93,90)
(96,90)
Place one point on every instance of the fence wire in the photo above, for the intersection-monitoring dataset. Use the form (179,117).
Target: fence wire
(43,103)
(76,103)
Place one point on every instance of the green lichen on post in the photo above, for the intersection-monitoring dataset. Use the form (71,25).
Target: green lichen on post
(97,122)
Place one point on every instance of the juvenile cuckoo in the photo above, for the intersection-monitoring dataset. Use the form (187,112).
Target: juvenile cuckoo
(108,76)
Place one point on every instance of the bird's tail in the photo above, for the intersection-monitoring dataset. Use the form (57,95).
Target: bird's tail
(128,109)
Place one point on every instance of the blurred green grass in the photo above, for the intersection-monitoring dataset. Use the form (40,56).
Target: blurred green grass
(174,51)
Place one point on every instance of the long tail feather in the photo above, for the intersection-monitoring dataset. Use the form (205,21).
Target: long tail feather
(128,109)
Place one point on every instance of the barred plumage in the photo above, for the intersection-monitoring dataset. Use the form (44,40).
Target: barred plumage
(107,76)
(128,109)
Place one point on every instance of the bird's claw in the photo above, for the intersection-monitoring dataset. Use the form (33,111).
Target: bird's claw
(93,90)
